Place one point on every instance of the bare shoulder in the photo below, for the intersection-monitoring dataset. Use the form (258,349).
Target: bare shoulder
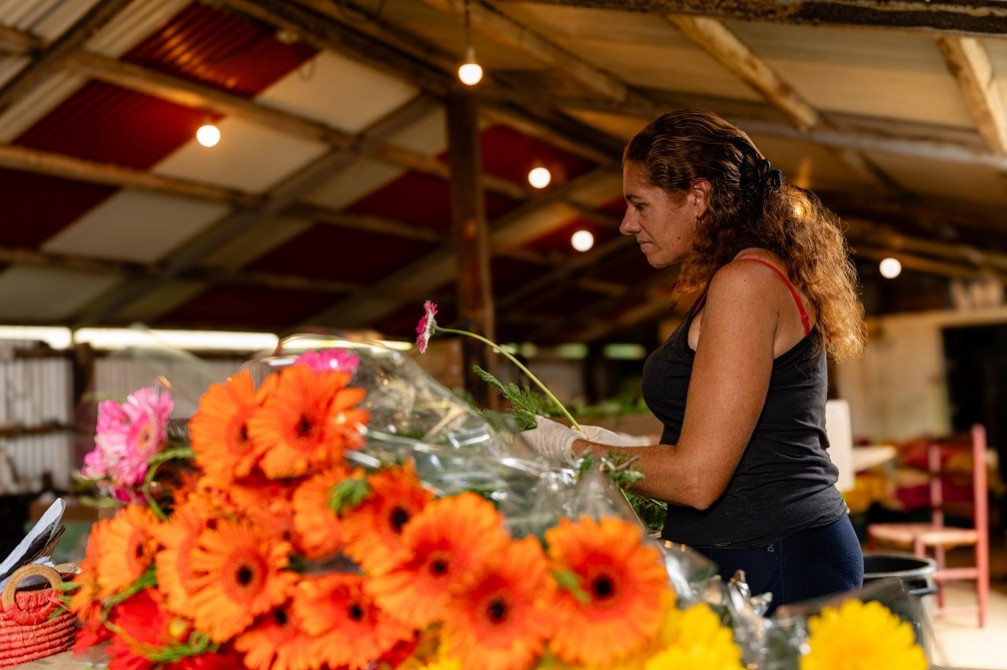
(743,280)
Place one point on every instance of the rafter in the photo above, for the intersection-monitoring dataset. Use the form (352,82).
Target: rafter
(968,61)
(19,42)
(489,20)
(967,17)
(105,307)
(716,40)
(46,61)
(66,167)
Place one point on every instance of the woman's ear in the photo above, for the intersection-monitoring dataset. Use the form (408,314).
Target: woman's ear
(699,194)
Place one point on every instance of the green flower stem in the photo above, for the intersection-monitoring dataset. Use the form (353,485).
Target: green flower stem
(153,466)
(510,357)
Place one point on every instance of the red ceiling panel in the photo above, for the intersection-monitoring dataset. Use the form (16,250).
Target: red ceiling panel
(328,252)
(509,154)
(559,239)
(247,307)
(32,210)
(108,124)
(423,201)
(219,49)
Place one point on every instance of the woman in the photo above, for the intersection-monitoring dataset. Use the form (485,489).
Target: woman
(740,387)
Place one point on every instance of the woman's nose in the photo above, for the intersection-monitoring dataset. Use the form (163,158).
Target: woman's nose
(628,225)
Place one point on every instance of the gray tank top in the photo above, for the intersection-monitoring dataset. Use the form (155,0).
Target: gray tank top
(785,482)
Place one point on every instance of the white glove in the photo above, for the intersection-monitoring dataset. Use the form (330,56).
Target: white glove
(613,439)
(552,440)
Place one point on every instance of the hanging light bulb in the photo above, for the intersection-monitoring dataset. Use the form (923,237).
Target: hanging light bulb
(890,268)
(470,73)
(208,134)
(539,177)
(582,240)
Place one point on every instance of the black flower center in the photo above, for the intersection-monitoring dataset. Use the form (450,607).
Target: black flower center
(399,518)
(602,587)
(243,433)
(245,575)
(356,612)
(439,566)
(281,617)
(304,426)
(497,610)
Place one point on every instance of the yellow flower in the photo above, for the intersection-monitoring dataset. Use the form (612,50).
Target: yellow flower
(694,639)
(859,636)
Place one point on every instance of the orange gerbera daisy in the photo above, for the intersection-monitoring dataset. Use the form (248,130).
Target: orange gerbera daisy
(621,582)
(499,618)
(264,502)
(276,641)
(318,528)
(350,628)
(86,600)
(237,574)
(307,422)
(127,548)
(219,430)
(178,536)
(447,540)
(373,529)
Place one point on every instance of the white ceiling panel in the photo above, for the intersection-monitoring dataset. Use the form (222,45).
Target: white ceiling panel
(623,127)
(257,240)
(133,24)
(161,300)
(250,157)
(870,72)
(338,92)
(350,185)
(136,226)
(809,165)
(45,18)
(34,294)
(426,136)
(10,66)
(945,180)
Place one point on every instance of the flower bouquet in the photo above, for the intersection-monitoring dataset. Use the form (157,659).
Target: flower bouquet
(341,509)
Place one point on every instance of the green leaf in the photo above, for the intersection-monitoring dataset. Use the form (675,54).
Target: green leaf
(348,494)
(570,580)
(525,404)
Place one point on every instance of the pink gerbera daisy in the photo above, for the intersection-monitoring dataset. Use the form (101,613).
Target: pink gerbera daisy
(328,360)
(426,326)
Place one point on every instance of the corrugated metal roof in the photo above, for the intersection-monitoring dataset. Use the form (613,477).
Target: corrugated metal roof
(45,18)
(132,25)
(40,101)
(34,294)
(339,92)
(135,226)
(944,180)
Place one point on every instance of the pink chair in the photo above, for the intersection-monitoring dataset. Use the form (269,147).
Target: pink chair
(936,536)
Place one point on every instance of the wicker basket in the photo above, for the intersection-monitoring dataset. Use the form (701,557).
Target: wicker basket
(33,622)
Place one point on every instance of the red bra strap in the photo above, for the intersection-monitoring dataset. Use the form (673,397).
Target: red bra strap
(805,319)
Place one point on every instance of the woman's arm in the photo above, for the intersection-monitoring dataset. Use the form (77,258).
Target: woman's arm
(727,390)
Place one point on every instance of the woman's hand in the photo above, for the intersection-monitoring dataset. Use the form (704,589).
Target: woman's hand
(552,440)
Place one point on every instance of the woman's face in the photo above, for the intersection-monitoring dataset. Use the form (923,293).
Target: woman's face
(663,224)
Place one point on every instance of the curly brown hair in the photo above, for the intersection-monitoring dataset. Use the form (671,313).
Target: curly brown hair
(746,209)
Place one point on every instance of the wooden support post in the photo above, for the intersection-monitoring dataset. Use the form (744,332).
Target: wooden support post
(471,243)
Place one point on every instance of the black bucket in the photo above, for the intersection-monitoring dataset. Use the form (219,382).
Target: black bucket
(917,573)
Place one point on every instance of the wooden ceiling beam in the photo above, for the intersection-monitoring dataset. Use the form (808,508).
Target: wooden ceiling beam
(221,233)
(970,65)
(965,17)
(492,22)
(20,43)
(66,167)
(862,231)
(724,46)
(928,265)
(134,270)
(46,61)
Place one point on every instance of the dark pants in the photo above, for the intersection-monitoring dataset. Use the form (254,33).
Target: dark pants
(810,564)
